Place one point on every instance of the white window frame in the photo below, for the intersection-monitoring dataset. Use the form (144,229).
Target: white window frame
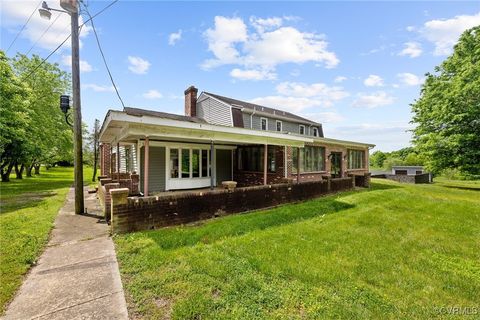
(276,125)
(315,132)
(266,124)
(300,129)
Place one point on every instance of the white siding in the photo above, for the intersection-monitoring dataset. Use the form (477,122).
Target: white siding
(215,112)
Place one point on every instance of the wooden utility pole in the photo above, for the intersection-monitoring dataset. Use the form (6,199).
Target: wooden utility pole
(77,115)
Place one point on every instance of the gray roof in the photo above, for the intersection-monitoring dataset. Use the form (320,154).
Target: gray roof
(272,111)
(142,112)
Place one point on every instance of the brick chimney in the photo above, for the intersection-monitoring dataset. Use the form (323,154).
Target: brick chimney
(191,101)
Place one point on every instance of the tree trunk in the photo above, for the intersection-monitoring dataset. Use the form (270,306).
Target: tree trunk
(30,168)
(6,174)
(19,171)
(37,168)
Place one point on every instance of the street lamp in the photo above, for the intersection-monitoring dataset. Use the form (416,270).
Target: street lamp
(71,7)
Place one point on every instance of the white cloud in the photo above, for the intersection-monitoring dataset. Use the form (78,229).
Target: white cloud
(373,100)
(409,79)
(266,46)
(297,97)
(174,37)
(412,49)
(98,88)
(325,117)
(138,65)
(386,136)
(410,28)
(291,104)
(252,74)
(84,65)
(152,94)
(444,34)
(373,81)
(265,24)
(339,79)
(15,13)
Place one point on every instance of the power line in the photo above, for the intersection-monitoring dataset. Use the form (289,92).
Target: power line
(44,32)
(23,27)
(103,55)
(63,42)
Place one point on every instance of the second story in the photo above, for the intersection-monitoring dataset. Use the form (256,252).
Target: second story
(220,110)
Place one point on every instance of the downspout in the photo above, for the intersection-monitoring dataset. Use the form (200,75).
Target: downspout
(251,117)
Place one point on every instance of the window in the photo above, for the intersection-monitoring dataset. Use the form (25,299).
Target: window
(189,163)
(264,123)
(185,163)
(312,159)
(204,163)
(195,163)
(315,132)
(279,125)
(302,129)
(173,163)
(251,158)
(356,159)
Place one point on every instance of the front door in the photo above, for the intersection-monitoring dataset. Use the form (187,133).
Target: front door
(336,169)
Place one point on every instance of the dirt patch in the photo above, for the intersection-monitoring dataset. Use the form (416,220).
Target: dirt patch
(30,199)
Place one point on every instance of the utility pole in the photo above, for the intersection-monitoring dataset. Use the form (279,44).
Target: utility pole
(77,115)
(71,7)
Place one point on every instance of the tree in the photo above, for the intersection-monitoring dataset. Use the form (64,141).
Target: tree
(378,158)
(447,114)
(49,137)
(15,118)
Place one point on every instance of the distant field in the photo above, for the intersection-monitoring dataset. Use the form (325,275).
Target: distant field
(395,251)
(28,208)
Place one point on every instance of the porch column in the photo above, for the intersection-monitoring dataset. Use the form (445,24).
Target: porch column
(265,164)
(298,165)
(146,173)
(212,165)
(118,159)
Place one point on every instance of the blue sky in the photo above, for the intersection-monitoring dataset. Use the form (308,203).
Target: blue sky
(353,66)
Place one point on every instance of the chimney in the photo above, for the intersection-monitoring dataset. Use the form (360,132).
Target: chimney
(191,101)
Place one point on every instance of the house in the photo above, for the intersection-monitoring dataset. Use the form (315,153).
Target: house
(407,170)
(222,139)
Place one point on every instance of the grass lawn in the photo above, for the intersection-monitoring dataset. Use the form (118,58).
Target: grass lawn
(394,251)
(28,208)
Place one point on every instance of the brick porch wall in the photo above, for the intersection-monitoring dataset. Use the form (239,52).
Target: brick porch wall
(136,213)
(105,159)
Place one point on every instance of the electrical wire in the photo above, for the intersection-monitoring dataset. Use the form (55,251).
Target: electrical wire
(63,42)
(103,55)
(23,27)
(43,34)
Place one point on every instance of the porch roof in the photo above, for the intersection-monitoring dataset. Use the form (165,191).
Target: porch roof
(125,126)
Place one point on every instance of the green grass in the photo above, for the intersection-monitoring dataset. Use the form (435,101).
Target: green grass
(28,208)
(394,251)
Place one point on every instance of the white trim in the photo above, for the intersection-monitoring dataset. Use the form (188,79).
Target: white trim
(281,125)
(208,131)
(300,131)
(266,124)
(285,166)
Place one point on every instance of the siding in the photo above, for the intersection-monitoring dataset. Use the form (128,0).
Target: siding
(214,112)
(156,182)
(287,126)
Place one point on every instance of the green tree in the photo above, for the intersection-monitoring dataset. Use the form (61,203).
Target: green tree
(15,118)
(49,138)
(447,114)
(378,158)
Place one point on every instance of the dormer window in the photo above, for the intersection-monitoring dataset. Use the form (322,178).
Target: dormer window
(264,123)
(279,126)
(315,132)
(302,129)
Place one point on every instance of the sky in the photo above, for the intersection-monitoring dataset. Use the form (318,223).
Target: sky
(355,66)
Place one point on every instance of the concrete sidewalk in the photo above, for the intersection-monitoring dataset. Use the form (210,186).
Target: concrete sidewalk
(77,276)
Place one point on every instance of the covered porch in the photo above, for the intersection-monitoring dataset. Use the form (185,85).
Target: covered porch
(183,154)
